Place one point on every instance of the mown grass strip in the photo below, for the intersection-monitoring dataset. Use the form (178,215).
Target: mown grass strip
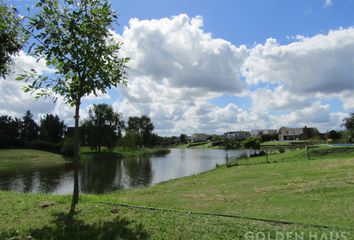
(282,222)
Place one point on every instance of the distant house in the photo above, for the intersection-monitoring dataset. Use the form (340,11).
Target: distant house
(289,134)
(199,137)
(260,132)
(237,135)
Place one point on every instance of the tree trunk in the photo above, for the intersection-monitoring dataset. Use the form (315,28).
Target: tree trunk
(75,198)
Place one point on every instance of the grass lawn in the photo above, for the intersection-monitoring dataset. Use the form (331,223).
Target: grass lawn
(322,152)
(23,216)
(23,159)
(314,192)
(293,189)
(120,151)
(201,145)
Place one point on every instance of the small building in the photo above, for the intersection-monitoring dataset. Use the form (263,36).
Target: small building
(199,137)
(260,132)
(290,134)
(237,135)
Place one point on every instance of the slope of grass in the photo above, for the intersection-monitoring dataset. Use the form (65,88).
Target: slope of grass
(317,192)
(120,151)
(321,152)
(24,218)
(197,145)
(24,159)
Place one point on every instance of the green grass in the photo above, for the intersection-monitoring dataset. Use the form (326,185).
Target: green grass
(284,143)
(197,145)
(317,192)
(22,217)
(120,151)
(294,189)
(26,159)
(321,152)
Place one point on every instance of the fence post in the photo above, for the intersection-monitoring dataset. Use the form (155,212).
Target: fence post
(266,154)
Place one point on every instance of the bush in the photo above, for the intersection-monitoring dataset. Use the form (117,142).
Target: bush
(281,150)
(196,144)
(45,146)
(162,151)
(68,147)
(218,143)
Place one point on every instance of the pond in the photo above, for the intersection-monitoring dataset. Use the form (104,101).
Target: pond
(107,175)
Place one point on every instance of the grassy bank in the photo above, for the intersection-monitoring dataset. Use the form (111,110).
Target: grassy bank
(197,145)
(24,159)
(316,192)
(293,189)
(128,152)
(322,152)
(24,218)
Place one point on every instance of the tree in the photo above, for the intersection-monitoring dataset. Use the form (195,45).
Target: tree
(11,36)
(348,123)
(134,123)
(146,129)
(216,138)
(29,128)
(9,132)
(143,126)
(183,139)
(74,39)
(51,128)
(103,127)
(251,143)
(131,139)
(334,135)
(269,137)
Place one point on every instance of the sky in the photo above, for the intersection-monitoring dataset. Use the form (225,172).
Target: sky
(201,66)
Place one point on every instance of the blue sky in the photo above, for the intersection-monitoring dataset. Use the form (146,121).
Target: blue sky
(215,66)
(247,22)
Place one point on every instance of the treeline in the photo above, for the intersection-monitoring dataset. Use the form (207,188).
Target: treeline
(104,128)
(25,132)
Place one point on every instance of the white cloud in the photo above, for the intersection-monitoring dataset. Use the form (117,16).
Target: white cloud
(15,102)
(176,68)
(323,63)
(347,97)
(177,52)
(279,99)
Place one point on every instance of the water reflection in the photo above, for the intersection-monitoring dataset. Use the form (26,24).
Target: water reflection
(109,174)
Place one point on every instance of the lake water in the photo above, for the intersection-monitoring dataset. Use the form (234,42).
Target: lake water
(107,175)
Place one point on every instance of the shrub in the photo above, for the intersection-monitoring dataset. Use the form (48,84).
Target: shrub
(68,147)
(281,150)
(196,144)
(45,146)
(162,151)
